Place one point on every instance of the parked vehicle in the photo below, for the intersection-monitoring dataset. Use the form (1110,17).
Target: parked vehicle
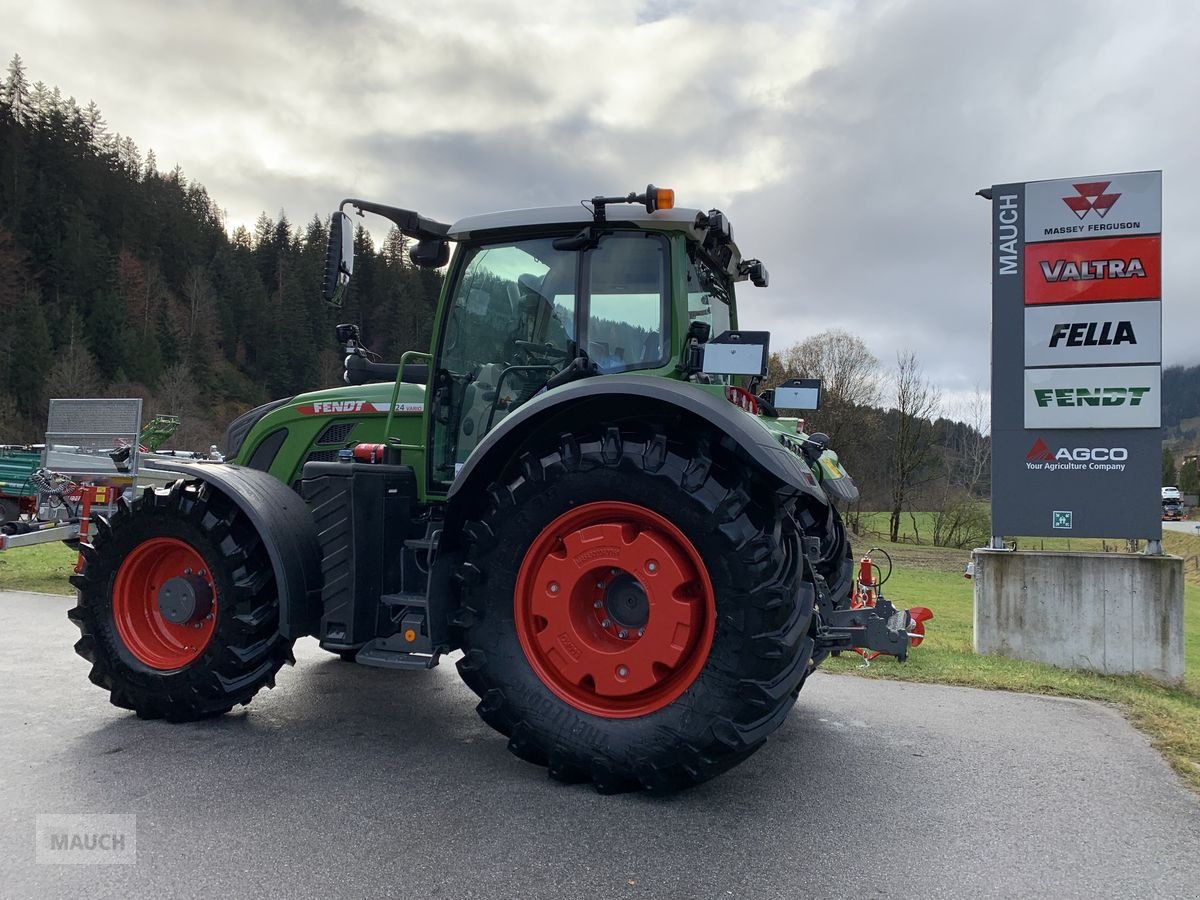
(639,558)
(18,493)
(1173,511)
(1171,493)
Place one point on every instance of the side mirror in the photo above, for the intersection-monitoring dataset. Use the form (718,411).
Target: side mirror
(430,253)
(759,276)
(737,353)
(798,393)
(339,257)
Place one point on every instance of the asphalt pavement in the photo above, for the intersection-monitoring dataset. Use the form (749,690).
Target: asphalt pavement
(351,782)
(1186,527)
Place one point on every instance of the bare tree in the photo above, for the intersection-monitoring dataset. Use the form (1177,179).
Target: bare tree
(850,382)
(849,372)
(74,374)
(177,391)
(198,292)
(916,400)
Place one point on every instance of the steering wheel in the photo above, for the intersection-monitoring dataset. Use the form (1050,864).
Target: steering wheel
(544,351)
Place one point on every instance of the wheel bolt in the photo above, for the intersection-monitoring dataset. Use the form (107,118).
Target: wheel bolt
(599,604)
(554,587)
(651,566)
(197,625)
(622,634)
(622,671)
(641,632)
(600,584)
(187,571)
(606,624)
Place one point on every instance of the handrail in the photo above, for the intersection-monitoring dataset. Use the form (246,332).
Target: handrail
(387,428)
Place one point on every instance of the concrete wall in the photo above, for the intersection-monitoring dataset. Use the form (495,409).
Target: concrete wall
(1110,612)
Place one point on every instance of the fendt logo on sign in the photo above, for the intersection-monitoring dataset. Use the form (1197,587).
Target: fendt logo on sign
(1100,269)
(1108,396)
(1042,458)
(1090,197)
(1093,397)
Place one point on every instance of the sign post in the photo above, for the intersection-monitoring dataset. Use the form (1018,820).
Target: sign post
(1077,357)
(1076,406)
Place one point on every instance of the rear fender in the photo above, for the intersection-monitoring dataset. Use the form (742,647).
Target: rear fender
(589,401)
(287,531)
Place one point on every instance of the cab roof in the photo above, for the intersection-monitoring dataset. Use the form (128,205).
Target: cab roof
(666,219)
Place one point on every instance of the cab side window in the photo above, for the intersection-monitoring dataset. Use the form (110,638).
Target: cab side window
(627,280)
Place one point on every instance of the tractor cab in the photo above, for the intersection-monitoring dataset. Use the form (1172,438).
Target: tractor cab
(538,298)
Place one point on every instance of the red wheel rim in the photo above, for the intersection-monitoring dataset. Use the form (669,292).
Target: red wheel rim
(614,609)
(144,630)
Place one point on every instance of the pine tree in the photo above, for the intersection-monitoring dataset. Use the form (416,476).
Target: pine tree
(16,91)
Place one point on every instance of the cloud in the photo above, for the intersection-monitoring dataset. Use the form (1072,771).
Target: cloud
(845,139)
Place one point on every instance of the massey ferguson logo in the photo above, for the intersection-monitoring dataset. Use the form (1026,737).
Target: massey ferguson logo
(1092,269)
(1041,457)
(1090,197)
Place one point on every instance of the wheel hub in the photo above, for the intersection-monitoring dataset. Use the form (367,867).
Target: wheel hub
(184,598)
(626,603)
(164,603)
(614,609)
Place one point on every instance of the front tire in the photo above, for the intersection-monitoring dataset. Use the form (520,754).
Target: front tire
(177,605)
(683,632)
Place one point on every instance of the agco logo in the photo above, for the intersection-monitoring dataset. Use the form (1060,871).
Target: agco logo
(1041,456)
(1090,197)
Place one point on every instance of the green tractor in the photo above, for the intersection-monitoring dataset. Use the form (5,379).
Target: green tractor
(579,487)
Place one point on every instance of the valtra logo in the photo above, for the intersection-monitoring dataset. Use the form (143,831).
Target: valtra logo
(1084,271)
(1091,197)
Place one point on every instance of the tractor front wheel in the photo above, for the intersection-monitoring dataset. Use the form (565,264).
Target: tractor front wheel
(635,611)
(178,607)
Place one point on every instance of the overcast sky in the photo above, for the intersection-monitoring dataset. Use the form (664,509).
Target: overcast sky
(845,140)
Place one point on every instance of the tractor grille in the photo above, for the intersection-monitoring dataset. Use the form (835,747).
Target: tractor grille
(336,433)
(322,456)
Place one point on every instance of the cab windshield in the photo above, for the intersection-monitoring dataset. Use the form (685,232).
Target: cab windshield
(521,311)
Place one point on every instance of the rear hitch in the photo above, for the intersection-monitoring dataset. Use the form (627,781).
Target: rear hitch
(872,626)
(880,628)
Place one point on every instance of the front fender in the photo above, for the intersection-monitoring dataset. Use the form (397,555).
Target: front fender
(629,391)
(286,528)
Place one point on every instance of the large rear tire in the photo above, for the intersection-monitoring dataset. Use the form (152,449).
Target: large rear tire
(178,607)
(635,611)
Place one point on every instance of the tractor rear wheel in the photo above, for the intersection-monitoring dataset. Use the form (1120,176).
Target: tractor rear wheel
(635,611)
(178,607)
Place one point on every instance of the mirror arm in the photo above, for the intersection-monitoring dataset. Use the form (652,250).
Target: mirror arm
(410,223)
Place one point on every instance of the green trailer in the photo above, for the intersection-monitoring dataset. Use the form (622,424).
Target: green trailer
(18,494)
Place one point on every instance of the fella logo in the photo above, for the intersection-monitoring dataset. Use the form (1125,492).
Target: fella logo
(1100,269)
(1092,334)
